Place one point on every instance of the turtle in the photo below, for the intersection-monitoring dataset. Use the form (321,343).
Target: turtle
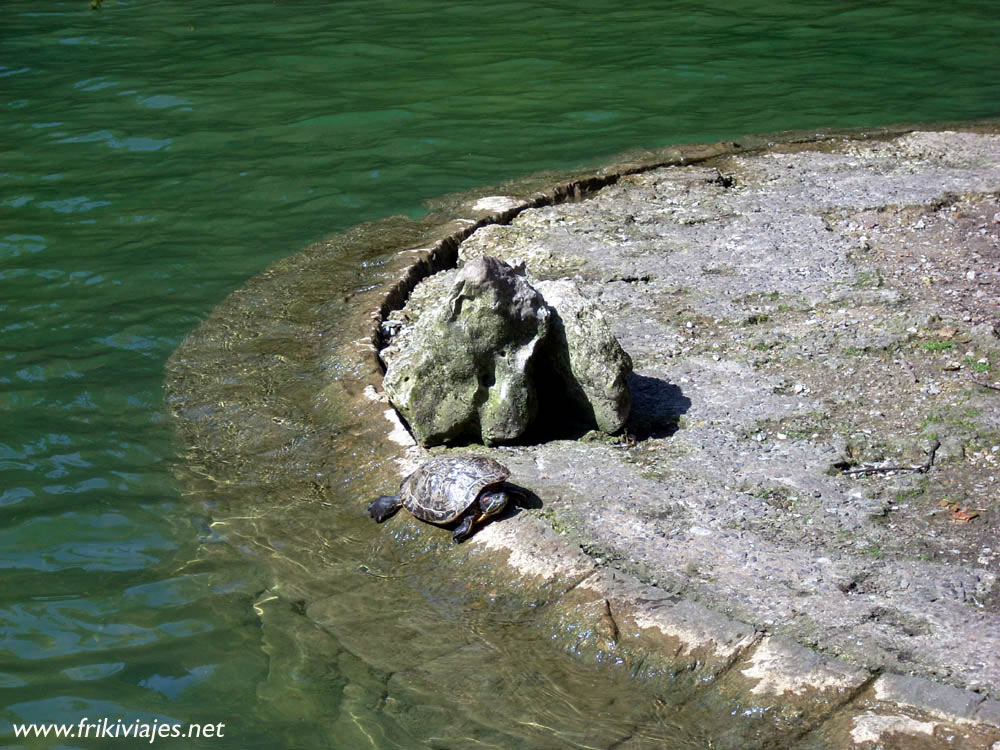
(466,489)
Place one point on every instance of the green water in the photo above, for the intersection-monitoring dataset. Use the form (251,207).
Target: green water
(155,155)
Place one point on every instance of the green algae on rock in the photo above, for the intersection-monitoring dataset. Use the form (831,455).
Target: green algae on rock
(461,371)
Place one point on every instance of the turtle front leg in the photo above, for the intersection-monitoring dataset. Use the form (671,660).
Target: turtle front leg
(464,529)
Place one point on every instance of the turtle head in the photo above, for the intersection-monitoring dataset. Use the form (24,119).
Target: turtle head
(492,502)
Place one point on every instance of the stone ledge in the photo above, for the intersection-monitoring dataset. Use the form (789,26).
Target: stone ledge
(773,666)
(941,701)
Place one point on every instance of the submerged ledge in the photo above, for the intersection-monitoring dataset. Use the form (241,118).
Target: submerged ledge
(648,528)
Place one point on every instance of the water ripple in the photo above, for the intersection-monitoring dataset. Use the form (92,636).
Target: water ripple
(90,672)
(130,143)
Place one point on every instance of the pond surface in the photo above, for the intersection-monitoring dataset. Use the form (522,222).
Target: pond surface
(156,155)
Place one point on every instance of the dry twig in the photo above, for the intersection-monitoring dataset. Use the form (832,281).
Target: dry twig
(909,369)
(923,468)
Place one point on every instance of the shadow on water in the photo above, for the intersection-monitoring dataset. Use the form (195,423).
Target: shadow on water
(657,407)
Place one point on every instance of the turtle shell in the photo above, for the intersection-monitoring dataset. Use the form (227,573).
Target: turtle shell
(443,488)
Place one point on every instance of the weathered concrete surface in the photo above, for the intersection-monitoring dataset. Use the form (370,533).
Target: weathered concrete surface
(802,320)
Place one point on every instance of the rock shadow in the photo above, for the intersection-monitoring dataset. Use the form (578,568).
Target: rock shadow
(521,499)
(657,406)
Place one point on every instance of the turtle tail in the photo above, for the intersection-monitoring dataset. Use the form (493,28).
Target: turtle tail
(383,507)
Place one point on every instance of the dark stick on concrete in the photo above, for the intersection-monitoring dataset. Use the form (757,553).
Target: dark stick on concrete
(923,468)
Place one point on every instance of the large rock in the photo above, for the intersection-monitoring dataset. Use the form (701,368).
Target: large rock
(591,366)
(482,356)
(462,370)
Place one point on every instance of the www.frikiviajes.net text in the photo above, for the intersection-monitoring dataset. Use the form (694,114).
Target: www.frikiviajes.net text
(149,731)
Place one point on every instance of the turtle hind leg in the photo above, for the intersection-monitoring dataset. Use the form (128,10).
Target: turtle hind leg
(383,507)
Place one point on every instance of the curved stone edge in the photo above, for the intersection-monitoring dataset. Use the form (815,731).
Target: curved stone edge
(817,694)
(824,694)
